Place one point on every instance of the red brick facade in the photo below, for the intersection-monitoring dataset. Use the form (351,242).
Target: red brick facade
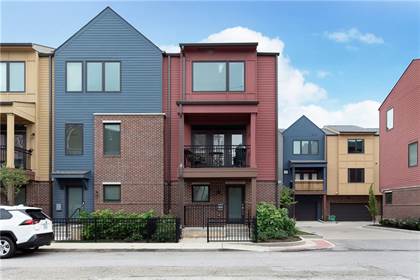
(405,203)
(139,168)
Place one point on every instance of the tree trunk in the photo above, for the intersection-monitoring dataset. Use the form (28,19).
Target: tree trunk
(10,195)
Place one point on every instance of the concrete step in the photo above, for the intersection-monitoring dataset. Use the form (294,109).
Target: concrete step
(194,232)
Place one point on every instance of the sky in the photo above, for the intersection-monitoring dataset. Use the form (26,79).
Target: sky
(337,62)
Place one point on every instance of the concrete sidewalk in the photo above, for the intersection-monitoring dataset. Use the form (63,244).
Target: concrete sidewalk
(189,245)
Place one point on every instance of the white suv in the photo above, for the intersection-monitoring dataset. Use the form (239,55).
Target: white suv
(23,228)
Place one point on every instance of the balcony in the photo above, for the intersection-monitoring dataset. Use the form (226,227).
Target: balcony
(309,185)
(22,157)
(216,156)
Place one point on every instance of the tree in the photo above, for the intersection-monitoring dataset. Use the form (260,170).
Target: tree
(12,179)
(286,197)
(372,205)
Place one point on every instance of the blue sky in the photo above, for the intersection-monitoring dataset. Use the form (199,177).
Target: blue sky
(342,54)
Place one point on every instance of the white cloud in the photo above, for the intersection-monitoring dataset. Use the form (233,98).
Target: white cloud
(353,34)
(297,96)
(322,74)
(170,48)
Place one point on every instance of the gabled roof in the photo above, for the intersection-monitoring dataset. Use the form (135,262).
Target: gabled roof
(343,129)
(97,16)
(37,47)
(303,117)
(415,60)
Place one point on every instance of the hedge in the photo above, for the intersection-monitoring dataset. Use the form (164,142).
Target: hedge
(274,223)
(409,223)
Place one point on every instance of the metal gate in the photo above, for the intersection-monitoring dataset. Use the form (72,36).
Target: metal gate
(228,230)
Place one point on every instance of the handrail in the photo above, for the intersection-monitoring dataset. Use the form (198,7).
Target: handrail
(78,209)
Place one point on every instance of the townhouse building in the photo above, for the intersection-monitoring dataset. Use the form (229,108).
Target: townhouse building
(220,101)
(109,124)
(305,168)
(399,146)
(25,111)
(352,167)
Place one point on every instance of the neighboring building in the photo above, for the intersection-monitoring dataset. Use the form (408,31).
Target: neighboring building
(108,120)
(353,166)
(221,105)
(280,157)
(304,168)
(399,146)
(25,99)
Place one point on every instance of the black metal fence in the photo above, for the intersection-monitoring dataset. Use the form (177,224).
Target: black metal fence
(224,230)
(196,215)
(197,156)
(117,229)
(22,157)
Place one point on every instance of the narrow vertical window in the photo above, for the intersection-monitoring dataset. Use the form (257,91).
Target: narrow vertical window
(94,76)
(388,198)
(314,147)
(74,139)
(112,139)
(413,154)
(305,147)
(17,76)
(74,76)
(296,147)
(236,76)
(112,76)
(390,118)
(3,76)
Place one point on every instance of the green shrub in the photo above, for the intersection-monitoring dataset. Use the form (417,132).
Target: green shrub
(274,223)
(107,225)
(409,223)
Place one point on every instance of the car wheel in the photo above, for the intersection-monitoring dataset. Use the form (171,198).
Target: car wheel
(7,247)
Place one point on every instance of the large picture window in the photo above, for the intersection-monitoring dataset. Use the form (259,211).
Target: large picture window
(12,76)
(200,193)
(74,139)
(74,74)
(356,175)
(103,76)
(218,76)
(413,152)
(355,146)
(112,139)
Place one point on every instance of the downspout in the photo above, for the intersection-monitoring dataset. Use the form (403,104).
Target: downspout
(50,113)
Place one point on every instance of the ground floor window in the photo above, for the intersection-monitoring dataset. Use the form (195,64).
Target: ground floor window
(200,193)
(112,192)
(388,198)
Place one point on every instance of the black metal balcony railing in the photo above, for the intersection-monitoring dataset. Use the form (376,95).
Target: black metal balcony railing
(22,157)
(199,156)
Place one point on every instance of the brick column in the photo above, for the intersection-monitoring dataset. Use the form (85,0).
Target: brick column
(253,197)
(10,158)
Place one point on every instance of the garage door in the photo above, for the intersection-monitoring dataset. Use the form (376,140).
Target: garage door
(350,211)
(306,209)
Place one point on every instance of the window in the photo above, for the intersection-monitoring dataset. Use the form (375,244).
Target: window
(112,76)
(390,118)
(388,198)
(236,76)
(112,192)
(103,76)
(356,175)
(94,76)
(5,215)
(305,147)
(20,197)
(200,193)
(413,154)
(218,76)
(74,139)
(112,139)
(12,76)
(355,146)
(74,76)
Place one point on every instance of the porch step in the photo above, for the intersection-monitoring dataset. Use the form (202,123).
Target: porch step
(194,232)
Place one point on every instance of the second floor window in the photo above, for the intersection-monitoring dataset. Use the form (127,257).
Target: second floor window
(413,154)
(390,118)
(103,76)
(356,175)
(218,76)
(12,76)
(355,146)
(74,76)
(112,139)
(74,139)
(305,147)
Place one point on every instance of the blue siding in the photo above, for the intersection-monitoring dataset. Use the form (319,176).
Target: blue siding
(302,129)
(106,37)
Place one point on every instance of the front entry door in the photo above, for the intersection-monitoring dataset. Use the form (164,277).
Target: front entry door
(235,204)
(74,201)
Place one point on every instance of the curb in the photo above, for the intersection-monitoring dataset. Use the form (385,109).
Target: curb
(392,229)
